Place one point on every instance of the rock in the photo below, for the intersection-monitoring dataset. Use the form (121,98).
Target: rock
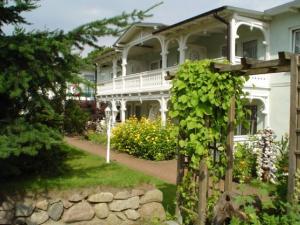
(55,211)
(23,210)
(43,205)
(120,205)
(152,210)
(51,222)
(95,221)
(101,197)
(79,212)
(77,197)
(6,217)
(101,210)
(67,204)
(132,214)
(171,223)
(137,192)
(6,206)
(20,221)
(112,219)
(152,196)
(122,195)
(39,217)
(121,216)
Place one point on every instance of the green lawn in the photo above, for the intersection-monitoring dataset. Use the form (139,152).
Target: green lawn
(86,170)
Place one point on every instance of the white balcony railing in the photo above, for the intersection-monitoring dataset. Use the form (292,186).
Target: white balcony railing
(140,82)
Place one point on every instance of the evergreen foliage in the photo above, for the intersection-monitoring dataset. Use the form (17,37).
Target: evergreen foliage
(35,69)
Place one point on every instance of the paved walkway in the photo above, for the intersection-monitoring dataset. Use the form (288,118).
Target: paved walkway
(165,170)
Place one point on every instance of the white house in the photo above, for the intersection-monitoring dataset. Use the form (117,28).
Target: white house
(131,77)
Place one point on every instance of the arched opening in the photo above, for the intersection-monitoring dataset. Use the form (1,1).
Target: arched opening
(207,44)
(250,42)
(145,56)
(173,53)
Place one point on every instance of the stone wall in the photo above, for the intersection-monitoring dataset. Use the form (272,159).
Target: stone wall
(103,208)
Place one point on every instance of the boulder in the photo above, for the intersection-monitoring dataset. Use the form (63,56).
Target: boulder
(121,216)
(51,222)
(77,197)
(55,211)
(6,206)
(152,210)
(122,195)
(120,205)
(67,204)
(79,212)
(137,192)
(23,210)
(101,197)
(101,210)
(132,214)
(112,219)
(39,217)
(171,223)
(152,196)
(43,205)
(6,217)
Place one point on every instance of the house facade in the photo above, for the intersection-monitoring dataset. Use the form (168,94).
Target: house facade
(131,78)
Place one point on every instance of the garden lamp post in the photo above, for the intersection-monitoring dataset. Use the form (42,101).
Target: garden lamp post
(108,117)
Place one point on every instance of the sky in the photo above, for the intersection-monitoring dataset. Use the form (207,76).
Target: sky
(68,14)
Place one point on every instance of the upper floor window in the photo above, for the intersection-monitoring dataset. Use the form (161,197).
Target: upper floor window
(250,49)
(296,41)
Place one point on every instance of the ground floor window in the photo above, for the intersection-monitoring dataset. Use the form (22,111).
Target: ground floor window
(252,120)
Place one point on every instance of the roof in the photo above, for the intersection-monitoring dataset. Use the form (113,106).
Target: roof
(245,12)
(290,6)
(136,26)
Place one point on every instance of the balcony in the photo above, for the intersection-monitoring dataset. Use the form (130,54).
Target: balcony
(148,81)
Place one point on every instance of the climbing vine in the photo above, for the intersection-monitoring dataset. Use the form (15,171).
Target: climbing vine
(200,103)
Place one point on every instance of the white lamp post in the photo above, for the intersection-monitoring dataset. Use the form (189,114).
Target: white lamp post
(108,129)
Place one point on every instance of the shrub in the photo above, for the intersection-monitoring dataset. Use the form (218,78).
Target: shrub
(145,139)
(244,168)
(98,138)
(27,148)
(75,117)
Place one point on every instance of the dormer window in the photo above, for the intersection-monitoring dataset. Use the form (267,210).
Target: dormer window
(296,41)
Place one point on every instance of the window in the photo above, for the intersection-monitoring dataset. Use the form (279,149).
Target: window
(296,41)
(156,65)
(252,121)
(250,49)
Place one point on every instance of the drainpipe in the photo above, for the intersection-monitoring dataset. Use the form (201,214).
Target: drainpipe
(221,19)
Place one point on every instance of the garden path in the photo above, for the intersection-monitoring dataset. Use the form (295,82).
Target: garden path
(165,170)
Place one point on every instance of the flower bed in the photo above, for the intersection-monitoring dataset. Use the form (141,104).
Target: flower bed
(145,139)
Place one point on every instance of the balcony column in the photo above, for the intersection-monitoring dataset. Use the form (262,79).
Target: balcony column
(232,41)
(124,64)
(123,110)
(163,111)
(182,48)
(114,69)
(114,112)
(164,55)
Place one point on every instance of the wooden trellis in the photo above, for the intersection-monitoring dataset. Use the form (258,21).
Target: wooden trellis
(286,62)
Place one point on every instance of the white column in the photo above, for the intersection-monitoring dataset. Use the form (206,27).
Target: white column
(114,111)
(114,68)
(163,54)
(233,36)
(123,110)
(182,48)
(163,111)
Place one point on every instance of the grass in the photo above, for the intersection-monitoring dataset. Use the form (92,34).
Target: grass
(98,138)
(86,170)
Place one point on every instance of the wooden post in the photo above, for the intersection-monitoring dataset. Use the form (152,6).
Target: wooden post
(203,178)
(229,146)
(180,174)
(294,157)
